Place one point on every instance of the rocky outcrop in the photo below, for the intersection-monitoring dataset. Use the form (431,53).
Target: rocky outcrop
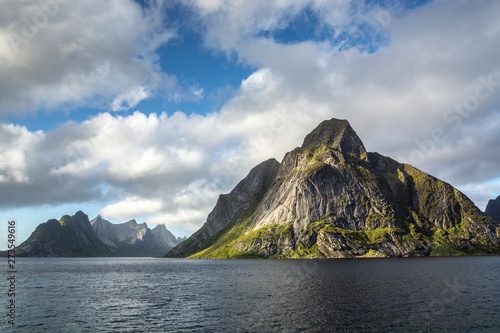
(132,239)
(71,236)
(493,209)
(331,198)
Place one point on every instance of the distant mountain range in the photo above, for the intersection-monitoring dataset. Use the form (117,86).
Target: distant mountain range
(331,198)
(76,236)
(133,239)
(493,209)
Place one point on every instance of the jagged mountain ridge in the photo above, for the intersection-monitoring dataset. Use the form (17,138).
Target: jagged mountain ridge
(71,236)
(331,198)
(134,239)
(493,209)
(75,236)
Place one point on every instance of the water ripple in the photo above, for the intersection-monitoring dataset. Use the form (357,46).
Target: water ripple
(163,295)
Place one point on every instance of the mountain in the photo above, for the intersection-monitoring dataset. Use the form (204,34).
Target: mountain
(134,239)
(76,236)
(493,209)
(71,236)
(332,198)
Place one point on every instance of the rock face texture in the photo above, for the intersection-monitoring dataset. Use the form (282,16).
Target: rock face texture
(493,209)
(133,239)
(71,236)
(331,198)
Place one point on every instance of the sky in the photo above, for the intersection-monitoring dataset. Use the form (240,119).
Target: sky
(149,110)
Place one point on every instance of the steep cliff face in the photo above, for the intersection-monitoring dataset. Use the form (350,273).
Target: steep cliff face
(330,198)
(493,209)
(230,209)
(134,239)
(71,236)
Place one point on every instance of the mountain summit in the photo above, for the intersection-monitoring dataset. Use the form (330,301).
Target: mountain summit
(331,198)
(336,134)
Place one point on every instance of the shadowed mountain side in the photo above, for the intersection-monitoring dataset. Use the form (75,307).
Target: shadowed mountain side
(231,208)
(493,209)
(71,236)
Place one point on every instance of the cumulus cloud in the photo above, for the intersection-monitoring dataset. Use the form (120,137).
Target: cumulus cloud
(136,164)
(129,99)
(132,207)
(185,218)
(70,53)
(15,143)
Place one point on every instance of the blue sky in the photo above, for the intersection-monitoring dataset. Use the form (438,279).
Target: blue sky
(151,109)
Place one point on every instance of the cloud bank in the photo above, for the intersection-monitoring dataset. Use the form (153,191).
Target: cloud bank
(59,53)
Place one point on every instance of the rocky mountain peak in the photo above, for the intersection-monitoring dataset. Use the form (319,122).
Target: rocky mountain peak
(80,220)
(160,227)
(337,134)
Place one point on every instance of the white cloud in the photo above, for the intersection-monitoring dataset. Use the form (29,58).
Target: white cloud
(58,53)
(15,143)
(260,81)
(185,218)
(124,149)
(133,206)
(129,99)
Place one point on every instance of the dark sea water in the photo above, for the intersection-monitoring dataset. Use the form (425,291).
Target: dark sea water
(170,295)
